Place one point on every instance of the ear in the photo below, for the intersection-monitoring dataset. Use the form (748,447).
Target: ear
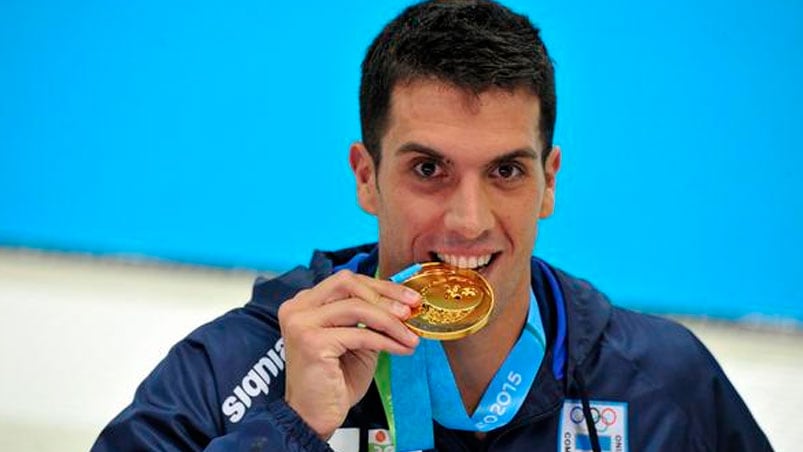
(365,176)
(550,177)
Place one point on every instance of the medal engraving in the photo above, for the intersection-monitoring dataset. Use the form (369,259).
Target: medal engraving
(456,302)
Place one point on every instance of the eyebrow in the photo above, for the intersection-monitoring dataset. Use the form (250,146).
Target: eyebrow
(412,147)
(418,148)
(523,153)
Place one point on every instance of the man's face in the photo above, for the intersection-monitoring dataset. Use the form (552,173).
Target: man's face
(460,181)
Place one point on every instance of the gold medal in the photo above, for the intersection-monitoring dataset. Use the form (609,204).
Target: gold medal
(456,302)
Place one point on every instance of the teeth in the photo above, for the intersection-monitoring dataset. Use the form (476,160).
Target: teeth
(465,261)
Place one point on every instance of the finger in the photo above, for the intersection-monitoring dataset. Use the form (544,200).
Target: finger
(346,284)
(371,289)
(333,288)
(399,310)
(396,291)
(350,312)
(365,339)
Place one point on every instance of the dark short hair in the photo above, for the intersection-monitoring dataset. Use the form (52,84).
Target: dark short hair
(474,45)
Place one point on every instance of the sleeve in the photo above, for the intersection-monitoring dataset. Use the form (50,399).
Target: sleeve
(176,408)
(173,409)
(731,427)
(277,428)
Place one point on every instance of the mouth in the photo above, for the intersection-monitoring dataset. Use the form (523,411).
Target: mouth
(479,263)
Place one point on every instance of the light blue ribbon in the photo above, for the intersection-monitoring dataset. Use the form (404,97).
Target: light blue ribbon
(507,390)
(423,387)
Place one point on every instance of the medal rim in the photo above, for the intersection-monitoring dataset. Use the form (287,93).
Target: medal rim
(487,304)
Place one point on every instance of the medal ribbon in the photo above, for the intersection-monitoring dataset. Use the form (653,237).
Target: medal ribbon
(507,390)
(421,387)
(415,429)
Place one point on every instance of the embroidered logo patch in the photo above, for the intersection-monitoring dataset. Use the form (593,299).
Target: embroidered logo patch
(610,422)
(379,441)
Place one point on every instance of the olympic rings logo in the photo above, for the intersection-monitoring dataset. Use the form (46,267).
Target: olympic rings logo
(602,419)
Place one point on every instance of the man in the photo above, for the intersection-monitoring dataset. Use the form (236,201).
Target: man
(457,104)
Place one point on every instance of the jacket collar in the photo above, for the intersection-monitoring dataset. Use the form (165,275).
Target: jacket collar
(588,312)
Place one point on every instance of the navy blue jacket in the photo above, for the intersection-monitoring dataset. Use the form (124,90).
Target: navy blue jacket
(222,387)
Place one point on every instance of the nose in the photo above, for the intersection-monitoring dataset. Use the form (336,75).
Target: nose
(469,211)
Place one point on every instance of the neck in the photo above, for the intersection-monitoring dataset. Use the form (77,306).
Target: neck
(476,359)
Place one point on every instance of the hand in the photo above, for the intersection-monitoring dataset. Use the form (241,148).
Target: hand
(330,359)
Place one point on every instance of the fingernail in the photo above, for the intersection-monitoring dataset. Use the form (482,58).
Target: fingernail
(401,310)
(412,336)
(411,295)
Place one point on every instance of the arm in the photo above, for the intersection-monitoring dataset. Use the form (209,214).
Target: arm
(329,365)
(734,428)
(175,407)
(176,412)
(277,428)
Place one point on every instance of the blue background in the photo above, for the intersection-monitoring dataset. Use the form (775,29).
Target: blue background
(212,134)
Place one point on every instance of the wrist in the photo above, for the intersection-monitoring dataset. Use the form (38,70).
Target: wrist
(323,430)
(294,428)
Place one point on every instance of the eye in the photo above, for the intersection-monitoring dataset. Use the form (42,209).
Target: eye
(427,169)
(507,171)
